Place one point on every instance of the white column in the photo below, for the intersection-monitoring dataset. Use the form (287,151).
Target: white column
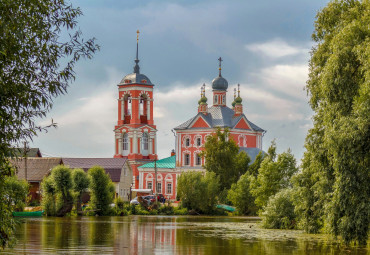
(120,145)
(150,145)
(148,109)
(155,144)
(122,109)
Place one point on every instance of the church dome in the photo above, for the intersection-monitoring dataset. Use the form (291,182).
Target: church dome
(203,100)
(135,78)
(220,83)
(238,100)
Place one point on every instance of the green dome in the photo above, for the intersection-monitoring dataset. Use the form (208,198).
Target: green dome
(233,103)
(238,100)
(203,99)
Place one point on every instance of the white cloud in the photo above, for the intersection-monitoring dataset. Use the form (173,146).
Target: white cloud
(289,79)
(276,48)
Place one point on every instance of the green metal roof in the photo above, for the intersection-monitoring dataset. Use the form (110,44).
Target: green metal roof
(169,162)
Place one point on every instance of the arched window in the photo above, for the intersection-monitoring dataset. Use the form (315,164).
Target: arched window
(125,145)
(128,105)
(199,141)
(198,160)
(143,104)
(187,159)
(187,142)
(145,144)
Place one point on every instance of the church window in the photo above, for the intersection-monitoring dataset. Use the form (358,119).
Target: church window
(169,188)
(187,159)
(198,160)
(223,99)
(187,142)
(215,100)
(145,144)
(159,187)
(149,185)
(199,141)
(125,144)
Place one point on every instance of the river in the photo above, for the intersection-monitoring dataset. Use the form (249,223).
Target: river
(166,235)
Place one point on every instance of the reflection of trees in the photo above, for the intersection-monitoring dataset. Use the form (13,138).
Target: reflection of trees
(144,235)
(100,232)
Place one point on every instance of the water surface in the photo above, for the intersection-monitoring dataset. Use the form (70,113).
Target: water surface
(166,235)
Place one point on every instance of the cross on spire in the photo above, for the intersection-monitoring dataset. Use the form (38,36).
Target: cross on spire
(219,68)
(137,67)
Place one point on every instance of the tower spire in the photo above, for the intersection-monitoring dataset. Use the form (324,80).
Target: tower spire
(238,90)
(219,67)
(234,93)
(137,67)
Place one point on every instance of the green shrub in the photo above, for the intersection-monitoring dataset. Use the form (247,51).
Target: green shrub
(166,210)
(180,211)
(198,192)
(240,196)
(279,212)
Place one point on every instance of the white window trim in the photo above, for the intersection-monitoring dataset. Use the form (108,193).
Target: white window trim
(184,158)
(195,158)
(169,182)
(196,141)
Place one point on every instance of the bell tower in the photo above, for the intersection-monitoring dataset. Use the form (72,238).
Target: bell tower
(135,132)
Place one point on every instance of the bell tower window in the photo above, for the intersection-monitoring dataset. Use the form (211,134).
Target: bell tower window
(128,105)
(145,144)
(143,108)
(125,146)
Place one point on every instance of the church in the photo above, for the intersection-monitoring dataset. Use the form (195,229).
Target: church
(135,132)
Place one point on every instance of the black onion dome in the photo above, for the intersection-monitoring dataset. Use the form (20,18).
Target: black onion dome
(220,83)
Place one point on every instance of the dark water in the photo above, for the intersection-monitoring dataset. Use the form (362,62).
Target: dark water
(166,235)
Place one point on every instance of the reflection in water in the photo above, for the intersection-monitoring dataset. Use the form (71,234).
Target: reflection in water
(166,235)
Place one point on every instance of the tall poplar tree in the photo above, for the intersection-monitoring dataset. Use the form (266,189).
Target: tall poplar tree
(337,159)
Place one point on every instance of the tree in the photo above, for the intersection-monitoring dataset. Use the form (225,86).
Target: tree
(222,157)
(101,190)
(273,176)
(198,192)
(239,195)
(14,193)
(58,191)
(253,168)
(81,183)
(279,211)
(48,196)
(339,91)
(36,65)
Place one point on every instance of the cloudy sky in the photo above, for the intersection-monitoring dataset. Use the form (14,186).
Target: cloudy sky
(265,46)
